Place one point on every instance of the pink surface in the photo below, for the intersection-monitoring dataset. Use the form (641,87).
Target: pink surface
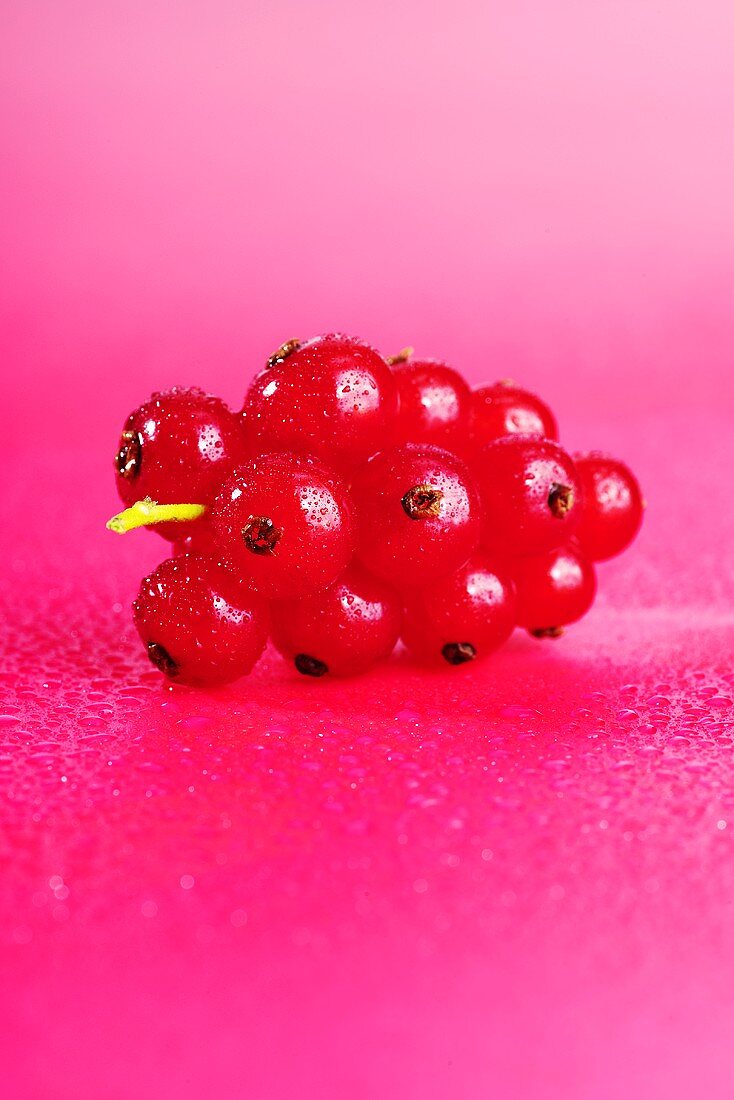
(514,881)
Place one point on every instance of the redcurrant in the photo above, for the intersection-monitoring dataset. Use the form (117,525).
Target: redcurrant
(462,616)
(199,624)
(530,495)
(434,403)
(200,539)
(553,589)
(341,631)
(612,509)
(506,409)
(332,396)
(418,513)
(175,449)
(284,523)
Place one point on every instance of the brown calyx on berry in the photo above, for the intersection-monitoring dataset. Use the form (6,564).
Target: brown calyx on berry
(163,660)
(402,357)
(283,352)
(130,455)
(458,653)
(547,632)
(310,666)
(422,502)
(261,535)
(560,499)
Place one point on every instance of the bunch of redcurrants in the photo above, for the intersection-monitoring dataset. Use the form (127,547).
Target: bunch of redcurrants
(356,500)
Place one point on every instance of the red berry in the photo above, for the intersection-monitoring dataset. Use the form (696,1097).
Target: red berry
(332,396)
(198,624)
(418,513)
(284,523)
(341,631)
(434,403)
(553,589)
(506,409)
(530,495)
(462,616)
(201,539)
(175,449)
(612,508)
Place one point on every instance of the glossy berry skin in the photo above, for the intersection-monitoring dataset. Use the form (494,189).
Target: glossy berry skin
(462,616)
(530,495)
(198,538)
(284,524)
(198,624)
(334,397)
(613,506)
(434,403)
(506,409)
(176,449)
(553,589)
(342,631)
(418,513)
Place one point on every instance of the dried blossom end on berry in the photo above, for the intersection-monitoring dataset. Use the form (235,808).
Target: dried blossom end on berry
(283,352)
(560,500)
(162,659)
(261,535)
(310,666)
(458,653)
(130,455)
(547,632)
(422,502)
(402,357)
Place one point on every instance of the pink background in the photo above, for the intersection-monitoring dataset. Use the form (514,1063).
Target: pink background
(516,882)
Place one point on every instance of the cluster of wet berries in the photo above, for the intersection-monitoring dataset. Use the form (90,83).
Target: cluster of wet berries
(355,501)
